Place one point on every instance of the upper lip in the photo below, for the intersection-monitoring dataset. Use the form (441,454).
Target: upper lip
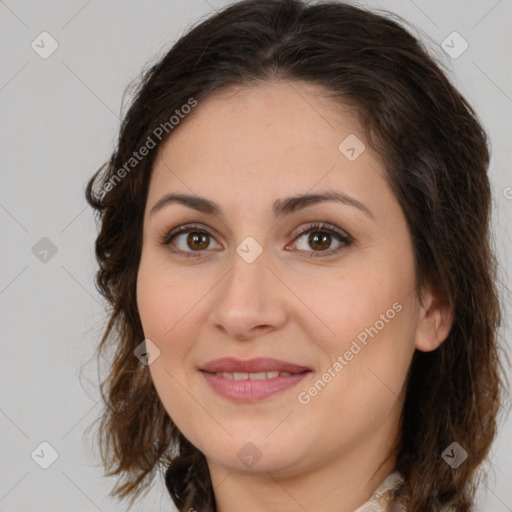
(259,364)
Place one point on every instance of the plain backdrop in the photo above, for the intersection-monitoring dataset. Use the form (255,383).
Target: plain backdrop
(60,118)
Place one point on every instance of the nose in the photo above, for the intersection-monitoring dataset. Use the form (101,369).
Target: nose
(250,300)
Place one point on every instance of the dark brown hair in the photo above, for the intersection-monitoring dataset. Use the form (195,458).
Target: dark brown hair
(436,155)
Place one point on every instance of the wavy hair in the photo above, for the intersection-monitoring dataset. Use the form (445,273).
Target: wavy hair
(436,155)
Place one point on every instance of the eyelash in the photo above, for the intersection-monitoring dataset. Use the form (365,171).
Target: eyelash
(167,238)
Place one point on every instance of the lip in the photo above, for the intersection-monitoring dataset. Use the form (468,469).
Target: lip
(248,390)
(259,364)
(251,390)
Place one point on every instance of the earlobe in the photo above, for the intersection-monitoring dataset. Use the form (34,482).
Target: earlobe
(435,320)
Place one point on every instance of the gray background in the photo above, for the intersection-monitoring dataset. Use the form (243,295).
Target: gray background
(60,118)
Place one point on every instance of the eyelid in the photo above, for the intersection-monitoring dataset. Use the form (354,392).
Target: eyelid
(166,238)
(319,226)
(342,236)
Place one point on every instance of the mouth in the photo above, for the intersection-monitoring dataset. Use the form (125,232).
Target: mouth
(252,376)
(251,380)
(252,366)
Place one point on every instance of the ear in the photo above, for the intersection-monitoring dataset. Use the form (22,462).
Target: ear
(435,320)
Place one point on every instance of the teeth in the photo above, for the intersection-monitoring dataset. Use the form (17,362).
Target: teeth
(257,376)
(253,376)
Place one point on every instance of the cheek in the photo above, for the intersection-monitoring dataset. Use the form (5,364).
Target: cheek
(165,322)
(352,304)
(150,301)
(163,299)
(171,320)
(365,324)
(367,370)
(374,352)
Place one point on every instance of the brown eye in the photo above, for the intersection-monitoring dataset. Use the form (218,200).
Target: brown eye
(319,241)
(197,240)
(321,238)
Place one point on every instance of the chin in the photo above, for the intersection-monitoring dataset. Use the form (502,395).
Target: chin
(255,456)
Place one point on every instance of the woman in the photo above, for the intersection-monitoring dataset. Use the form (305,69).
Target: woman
(296,249)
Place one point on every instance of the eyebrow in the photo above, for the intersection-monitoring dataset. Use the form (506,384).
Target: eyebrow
(280,207)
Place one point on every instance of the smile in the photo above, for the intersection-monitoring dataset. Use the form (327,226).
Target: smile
(252,376)
(251,387)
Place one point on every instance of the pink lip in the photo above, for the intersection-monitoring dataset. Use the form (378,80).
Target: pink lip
(251,390)
(259,364)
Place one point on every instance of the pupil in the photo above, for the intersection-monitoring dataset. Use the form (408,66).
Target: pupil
(196,237)
(315,236)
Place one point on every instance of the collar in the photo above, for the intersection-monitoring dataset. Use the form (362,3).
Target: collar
(382,498)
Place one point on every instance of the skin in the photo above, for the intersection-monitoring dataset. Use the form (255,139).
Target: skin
(244,148)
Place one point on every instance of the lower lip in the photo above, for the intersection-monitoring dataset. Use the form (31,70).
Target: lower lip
(251,390)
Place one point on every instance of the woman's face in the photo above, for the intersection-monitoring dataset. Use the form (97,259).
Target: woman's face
(255,281)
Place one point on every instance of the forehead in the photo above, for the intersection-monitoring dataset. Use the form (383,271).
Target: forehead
(271,127)
(285,112)
(259,143)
